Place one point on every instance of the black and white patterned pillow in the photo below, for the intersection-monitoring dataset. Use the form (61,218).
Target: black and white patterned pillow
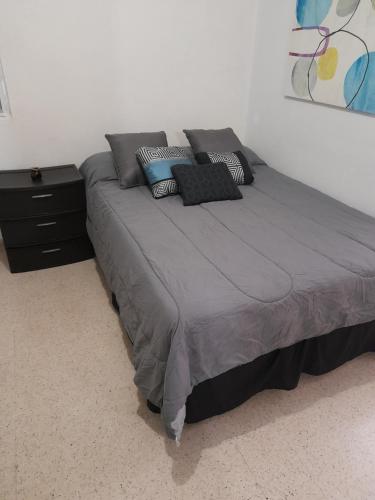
(236,162)
(157,163)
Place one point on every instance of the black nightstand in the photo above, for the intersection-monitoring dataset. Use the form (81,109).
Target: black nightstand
(43,221)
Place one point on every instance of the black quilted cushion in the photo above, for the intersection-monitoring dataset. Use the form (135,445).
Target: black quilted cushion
(204,183)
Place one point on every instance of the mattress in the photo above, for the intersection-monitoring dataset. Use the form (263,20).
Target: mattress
(208,288)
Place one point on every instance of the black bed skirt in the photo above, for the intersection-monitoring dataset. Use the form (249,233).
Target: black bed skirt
(280,369)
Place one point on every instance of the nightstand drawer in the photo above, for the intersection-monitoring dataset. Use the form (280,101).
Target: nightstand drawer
(32,202)
(43,229)
(49,255)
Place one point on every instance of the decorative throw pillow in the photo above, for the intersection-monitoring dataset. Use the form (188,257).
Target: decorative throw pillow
(221,140)
(157,163)
(204,183)
(124,147)
(236,163)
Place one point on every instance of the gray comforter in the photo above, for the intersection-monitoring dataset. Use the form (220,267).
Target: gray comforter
(204,289)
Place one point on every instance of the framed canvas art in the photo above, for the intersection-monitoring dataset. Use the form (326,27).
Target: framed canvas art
(332,53)
(4,102)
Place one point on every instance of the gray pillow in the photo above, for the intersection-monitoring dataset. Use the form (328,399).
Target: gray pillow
(98,167)
(220,141)
(124,147)
(252,157)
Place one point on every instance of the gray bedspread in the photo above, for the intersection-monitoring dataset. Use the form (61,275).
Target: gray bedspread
(204,289)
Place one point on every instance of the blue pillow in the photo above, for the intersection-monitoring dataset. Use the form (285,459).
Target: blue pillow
(157,163)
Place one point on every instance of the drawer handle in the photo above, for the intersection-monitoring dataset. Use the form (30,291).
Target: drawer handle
(45,224)
(52,250)
(38,196)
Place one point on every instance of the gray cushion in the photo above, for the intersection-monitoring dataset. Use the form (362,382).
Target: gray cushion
(220,141)
(252,157)
(99,167)
(124,147)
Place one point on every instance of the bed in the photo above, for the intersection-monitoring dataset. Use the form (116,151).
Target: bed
(225,299)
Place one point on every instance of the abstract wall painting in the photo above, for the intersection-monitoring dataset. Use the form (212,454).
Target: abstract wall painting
(332,53)
(4,101)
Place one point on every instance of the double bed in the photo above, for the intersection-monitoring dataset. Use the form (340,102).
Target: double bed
(224,299)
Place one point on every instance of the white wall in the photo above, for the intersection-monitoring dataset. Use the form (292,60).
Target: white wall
(76,69)
(327,148)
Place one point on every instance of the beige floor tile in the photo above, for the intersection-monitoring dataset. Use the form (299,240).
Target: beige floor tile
(7,412)
(7,432)
(7,332)
(317,442)
(67,374)
(8,483)
(114,456)
(58,314)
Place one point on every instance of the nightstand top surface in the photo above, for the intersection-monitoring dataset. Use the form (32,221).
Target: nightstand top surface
(51,176)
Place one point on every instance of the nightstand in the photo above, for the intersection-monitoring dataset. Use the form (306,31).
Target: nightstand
(43,222)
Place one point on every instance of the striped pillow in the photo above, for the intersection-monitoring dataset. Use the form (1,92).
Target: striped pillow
(157,163)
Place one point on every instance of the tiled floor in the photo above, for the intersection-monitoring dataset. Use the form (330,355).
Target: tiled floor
(73,426)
